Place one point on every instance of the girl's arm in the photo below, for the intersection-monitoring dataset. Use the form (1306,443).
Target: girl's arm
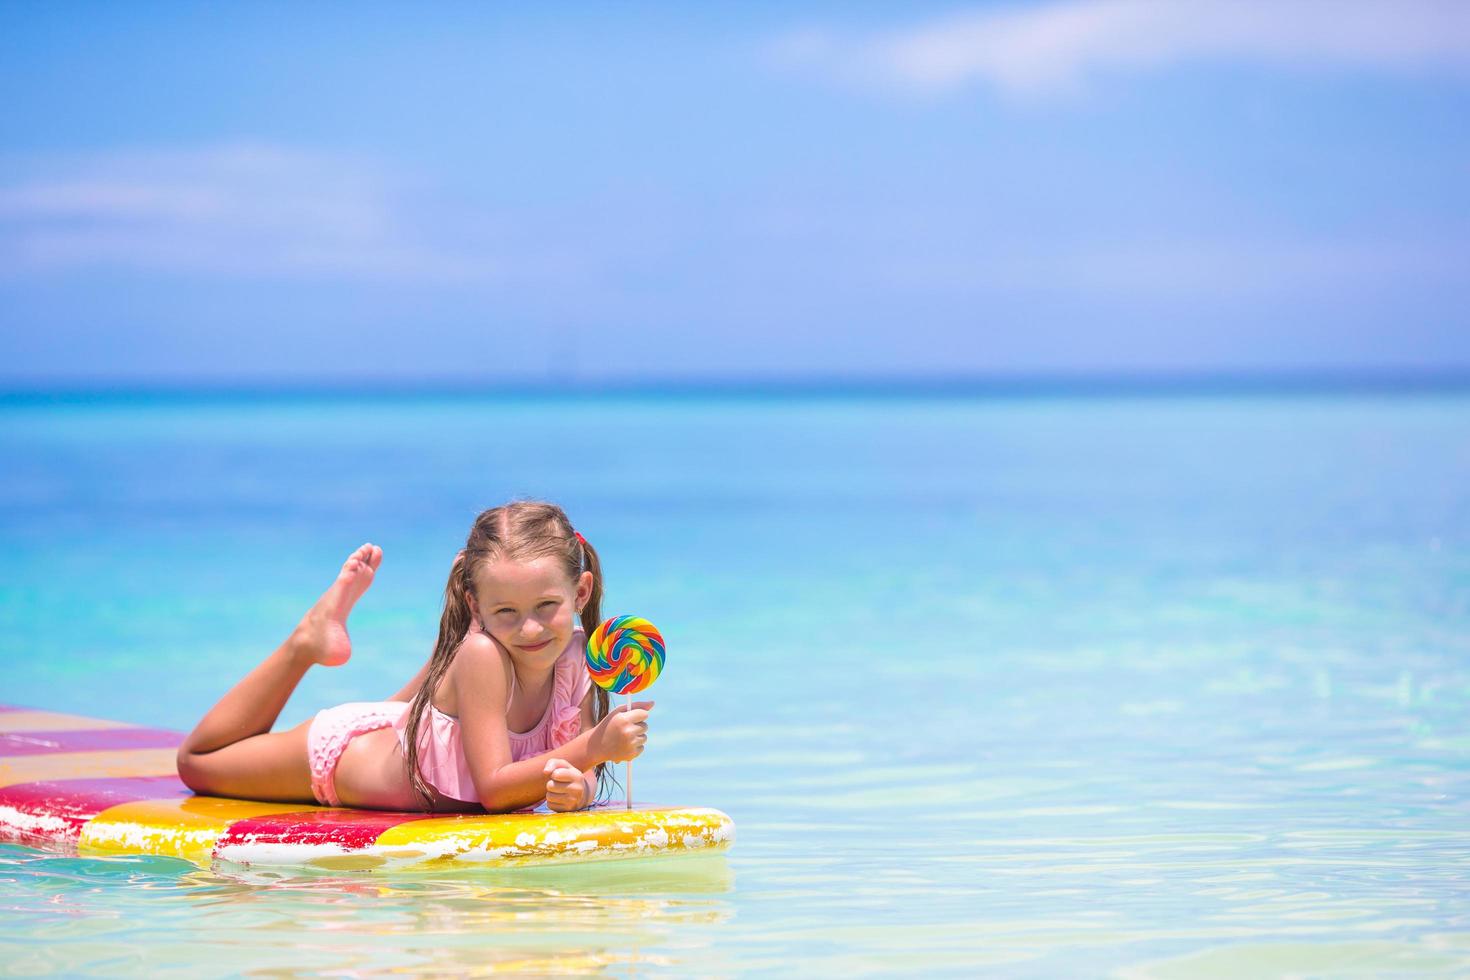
(482,680)
(624,733)
(561,775)
(590,775)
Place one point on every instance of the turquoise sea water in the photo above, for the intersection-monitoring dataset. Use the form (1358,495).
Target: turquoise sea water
(1130,686)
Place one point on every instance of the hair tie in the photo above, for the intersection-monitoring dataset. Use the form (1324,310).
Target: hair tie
(580,538)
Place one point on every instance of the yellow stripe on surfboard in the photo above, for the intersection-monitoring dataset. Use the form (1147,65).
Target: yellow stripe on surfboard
(88,765)
(15,722)
(543,838)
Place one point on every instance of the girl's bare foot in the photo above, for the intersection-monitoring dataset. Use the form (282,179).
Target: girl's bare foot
(321,636)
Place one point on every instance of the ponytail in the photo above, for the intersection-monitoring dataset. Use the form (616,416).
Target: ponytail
(591,619)
(454,623)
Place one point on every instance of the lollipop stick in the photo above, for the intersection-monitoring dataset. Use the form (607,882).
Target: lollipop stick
(628,700)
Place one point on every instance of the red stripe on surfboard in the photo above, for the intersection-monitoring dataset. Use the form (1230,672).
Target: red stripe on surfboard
(88,740)
(56,810)
(349,829)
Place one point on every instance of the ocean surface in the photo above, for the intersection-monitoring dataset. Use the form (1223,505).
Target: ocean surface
(1171,685)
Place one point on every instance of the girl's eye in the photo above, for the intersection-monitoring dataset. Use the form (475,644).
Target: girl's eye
(548,602)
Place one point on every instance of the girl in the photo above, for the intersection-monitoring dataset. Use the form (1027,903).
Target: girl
(502,716)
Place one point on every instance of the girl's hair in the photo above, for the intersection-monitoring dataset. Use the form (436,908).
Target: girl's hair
(522,530)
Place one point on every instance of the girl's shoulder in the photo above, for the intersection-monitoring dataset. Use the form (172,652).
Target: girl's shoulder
(479,665)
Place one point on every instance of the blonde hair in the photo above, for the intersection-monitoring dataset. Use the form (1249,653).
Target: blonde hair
(522,530)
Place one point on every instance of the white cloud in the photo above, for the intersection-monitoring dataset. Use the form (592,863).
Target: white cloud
(243,209)
(1057,46)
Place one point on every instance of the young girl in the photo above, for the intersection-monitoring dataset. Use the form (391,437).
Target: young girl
(502,716)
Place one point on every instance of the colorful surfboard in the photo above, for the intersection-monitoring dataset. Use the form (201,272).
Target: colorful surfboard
(100,787)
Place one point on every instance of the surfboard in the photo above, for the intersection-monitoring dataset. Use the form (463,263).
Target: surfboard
(94,787)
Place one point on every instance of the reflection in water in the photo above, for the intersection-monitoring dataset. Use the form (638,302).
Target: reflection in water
(126,915)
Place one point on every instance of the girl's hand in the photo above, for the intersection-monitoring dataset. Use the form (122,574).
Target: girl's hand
(565,789)
(623,733)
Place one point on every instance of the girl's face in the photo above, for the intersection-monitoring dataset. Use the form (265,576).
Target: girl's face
(530,607)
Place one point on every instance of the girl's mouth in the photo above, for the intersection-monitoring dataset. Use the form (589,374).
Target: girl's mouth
(539,646)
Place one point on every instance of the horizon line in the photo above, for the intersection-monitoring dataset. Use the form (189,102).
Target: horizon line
(952,385)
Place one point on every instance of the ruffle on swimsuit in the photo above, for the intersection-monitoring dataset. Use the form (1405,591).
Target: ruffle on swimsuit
(442,760)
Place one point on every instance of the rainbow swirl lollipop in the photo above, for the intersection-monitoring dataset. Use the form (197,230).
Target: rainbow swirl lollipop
(625,654)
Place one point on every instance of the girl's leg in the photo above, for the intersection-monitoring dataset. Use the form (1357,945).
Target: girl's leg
(243,717)
(272,767)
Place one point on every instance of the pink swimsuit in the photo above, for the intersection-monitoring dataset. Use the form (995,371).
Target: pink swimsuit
(442,761)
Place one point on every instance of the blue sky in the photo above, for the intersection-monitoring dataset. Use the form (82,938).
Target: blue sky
(284,192)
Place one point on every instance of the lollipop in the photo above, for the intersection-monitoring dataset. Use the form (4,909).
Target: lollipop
(624,656)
